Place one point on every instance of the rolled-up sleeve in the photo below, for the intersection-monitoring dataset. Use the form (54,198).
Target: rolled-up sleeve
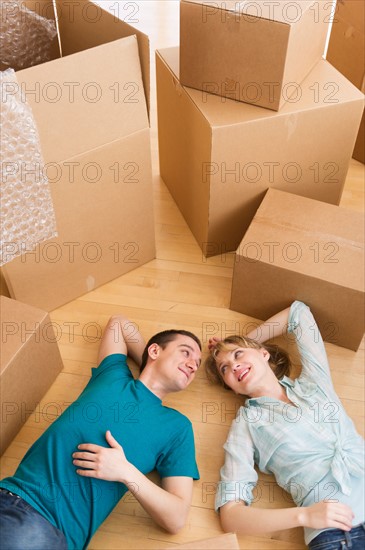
(238,476)
(309,342)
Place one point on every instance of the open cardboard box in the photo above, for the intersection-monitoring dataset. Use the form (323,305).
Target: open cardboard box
(346,52)
(91,114)
(82,25)
(218,158)
(300,249)
(30,361)
(251,51)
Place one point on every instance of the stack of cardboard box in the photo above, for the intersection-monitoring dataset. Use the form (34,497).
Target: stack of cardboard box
(248,105)
(90,106)
(262,109)
(91,112)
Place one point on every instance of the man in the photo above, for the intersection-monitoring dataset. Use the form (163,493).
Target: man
(104,443)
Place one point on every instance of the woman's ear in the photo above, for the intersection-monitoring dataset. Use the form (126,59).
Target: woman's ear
(265,354)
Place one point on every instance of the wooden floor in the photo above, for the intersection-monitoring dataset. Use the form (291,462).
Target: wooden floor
(178,289)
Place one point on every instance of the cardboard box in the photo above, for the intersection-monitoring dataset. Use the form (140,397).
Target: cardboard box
(218,159)
(300,249)
(222,542)
(346,52)
(30,361)
(91,114)
(251,51)
(82,25)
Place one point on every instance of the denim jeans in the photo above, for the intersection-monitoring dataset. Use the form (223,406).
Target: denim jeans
(336,539)
(23,528)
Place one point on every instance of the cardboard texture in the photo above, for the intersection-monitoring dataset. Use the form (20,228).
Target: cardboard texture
(248,51)
(346,52)
(91,114)
(83,25)
(222,542)
(218,160)
(300,249)
(30,361)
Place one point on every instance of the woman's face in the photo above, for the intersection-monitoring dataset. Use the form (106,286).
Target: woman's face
(244,369)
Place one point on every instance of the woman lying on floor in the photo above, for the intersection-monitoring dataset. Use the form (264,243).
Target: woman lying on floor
(318,457)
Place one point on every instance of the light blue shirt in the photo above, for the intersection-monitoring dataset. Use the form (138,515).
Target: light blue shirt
(311,447)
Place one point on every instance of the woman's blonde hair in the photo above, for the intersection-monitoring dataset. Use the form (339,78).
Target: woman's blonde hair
(279,360)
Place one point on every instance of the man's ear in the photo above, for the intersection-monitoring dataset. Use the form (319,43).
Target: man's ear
(153,351)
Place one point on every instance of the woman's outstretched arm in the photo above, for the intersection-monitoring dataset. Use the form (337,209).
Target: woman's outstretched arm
(238,518)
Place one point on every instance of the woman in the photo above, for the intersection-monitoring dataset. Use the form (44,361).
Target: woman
(296,430)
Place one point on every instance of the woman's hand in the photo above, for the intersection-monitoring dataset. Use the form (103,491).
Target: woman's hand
(327,514)
(102,462)
(212,342)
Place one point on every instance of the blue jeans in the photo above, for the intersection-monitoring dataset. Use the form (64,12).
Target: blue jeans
(336,539)
(23,528)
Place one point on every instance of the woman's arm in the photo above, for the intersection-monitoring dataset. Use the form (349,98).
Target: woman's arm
(244,520)
(271,328)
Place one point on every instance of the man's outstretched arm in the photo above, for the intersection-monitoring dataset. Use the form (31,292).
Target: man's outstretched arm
(168,506)
(121,336)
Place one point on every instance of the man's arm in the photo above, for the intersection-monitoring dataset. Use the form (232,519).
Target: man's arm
(121,336)
(168,506)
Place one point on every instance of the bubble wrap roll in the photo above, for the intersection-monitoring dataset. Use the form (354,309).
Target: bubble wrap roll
(27,215)
(25,37)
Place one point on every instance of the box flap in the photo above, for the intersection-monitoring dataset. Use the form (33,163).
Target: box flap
(280,11)
(346,50)
(324,86)
(85,24)
(309,237)
(18,324)
(84,101)
(44,8)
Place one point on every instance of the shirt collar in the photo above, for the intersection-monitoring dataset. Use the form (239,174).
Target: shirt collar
(300,386)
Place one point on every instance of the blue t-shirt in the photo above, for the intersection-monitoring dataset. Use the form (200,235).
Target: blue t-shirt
(152,436)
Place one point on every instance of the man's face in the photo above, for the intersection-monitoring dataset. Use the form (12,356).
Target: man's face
(178,362)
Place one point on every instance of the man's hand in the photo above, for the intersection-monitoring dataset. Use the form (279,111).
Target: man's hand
(101,462)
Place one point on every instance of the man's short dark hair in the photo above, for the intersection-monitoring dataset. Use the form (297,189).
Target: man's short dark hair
(163,338)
